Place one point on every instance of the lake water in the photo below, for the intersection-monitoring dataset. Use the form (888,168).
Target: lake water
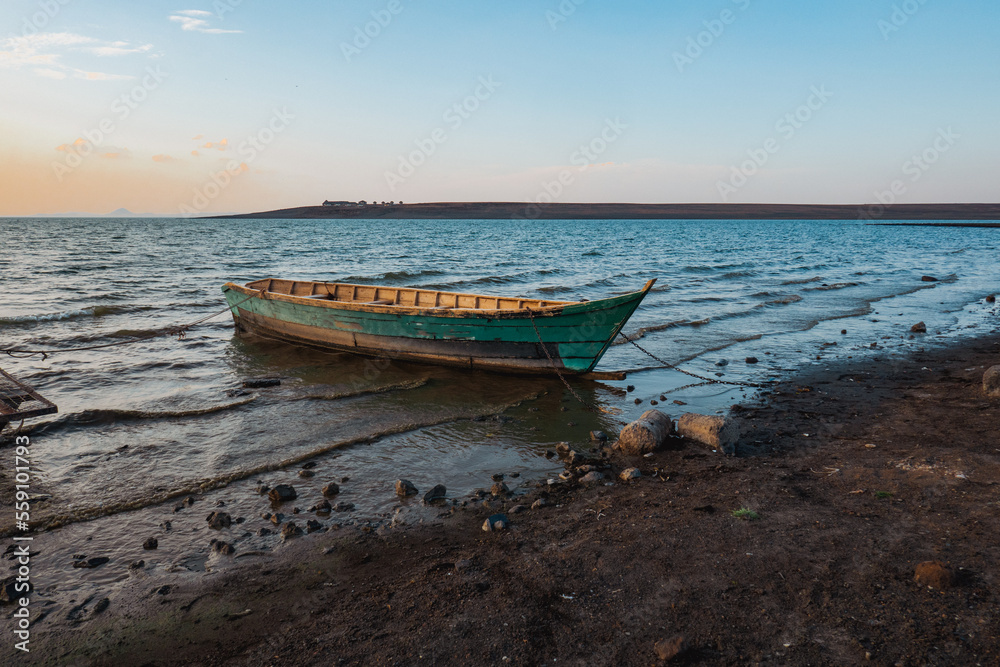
(142,426)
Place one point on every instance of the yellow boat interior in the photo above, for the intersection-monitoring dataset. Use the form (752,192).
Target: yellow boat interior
(370,295)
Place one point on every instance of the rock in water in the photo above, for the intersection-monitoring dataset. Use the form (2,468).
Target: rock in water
(150,544)
(282,493)
(668,649)
(290,530)
(499,490)
(439,492)
(645,435)
(752,360)
(713,430)
(991,382)
(312,525)
(331,489)
(935,574)
(405,487)
(261,383)
(496,523)
(929,279)
(919,327)
(219,520)
(598,436)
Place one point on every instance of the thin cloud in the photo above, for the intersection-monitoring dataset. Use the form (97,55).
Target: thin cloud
(196,20)
(162,158)
(43,52)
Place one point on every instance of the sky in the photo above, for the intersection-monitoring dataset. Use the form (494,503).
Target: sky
(211,106)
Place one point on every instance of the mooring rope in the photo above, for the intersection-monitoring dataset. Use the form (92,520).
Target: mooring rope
(178,331)
(704,380)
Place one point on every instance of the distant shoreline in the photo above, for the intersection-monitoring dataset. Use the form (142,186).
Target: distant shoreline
(518,211)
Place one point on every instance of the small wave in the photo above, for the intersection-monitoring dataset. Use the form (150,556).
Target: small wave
(832,286)
(784,300)
(642,331)
(391,276)
(102,416)
(803,281)
(592,253)
(92,311)
(737,274)
(555,289)
(384,389)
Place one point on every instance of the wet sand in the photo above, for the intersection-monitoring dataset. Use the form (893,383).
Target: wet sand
(858,473)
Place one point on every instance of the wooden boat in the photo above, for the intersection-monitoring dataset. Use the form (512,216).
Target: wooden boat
(470,330)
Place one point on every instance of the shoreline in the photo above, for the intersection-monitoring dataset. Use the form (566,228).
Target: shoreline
(574,211)
(824,575)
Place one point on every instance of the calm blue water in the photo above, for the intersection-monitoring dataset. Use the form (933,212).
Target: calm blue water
(132,432)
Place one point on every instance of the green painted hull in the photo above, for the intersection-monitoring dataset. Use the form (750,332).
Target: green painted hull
(575,335)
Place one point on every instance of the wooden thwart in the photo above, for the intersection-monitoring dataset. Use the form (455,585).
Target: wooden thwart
(19,401)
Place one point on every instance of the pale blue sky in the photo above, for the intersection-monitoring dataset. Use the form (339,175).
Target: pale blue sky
(558,77)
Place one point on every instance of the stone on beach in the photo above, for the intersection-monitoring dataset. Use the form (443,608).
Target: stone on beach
(668,649)
(592,477)
(919,327)
(405,488)
(150,544)
(647,434)
(496,523)
(991,382)
(934,574)
(282,493)
(499,489)
(629,474)
(290,530)
(439,492)
(598,436)
(713,430)
(219,520)
(331,489)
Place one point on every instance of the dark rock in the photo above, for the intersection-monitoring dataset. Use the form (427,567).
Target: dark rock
(312,525)
(929,279)
(437,493)
(331,489)
(261,532)
(496,523)
(220,503)
(290,530)
(722,362)
(262,489)
(499,490)
(515,475)
(150,544)
(405,488)
(137,565)
(236,393)
(324,506)
(277,518)
(308,466)
(654,402)
(540,503)
(638,401)
(919,327)
(647,434)
(282,493)
(261,383)
(163,590)
(345,480)
(8,590)
(668,649)
(91,563)
(679,402)
(517,509)
(843,332)
(991,299)
(752,360)
(934,574)
(296,510)
(166,525)
(219,520)
(497,477)
(343,507)
(592,477)
(631,387)
(598,436)
(306,474)
(224,548)
(189,501)
(240,520)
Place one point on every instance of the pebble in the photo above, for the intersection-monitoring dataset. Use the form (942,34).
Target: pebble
(331,490)
(722,362)
(439,492)
(668,649)
(497,477)
(137,565)
(166,525)
(262,489)
(312,525)
(934,574)
(929,279)
(278,518)
(598,436)
(991,299)
(324,506)
(219,520)
(306,474)
(91,563)
(517,509)
(629,474)
(343,507)
(496,523)
(261,532)
(631,387)
(592,477)
(638,401)
(752,360)
(405,487)
(654,402)
(282,493)
(919,327)
(499,489)
(540,503)
(290,530)
(224,548)
(150,544)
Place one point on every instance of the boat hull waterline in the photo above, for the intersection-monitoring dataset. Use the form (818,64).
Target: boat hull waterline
(444,328)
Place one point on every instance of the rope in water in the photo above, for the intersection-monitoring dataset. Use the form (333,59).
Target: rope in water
(703,380)
(178,331)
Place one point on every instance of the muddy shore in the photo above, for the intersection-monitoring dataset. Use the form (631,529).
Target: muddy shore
(856,474)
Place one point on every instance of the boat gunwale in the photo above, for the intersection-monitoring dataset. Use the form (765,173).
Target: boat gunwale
(400,309)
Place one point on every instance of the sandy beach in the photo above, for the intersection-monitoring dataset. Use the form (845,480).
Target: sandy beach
(856,474)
